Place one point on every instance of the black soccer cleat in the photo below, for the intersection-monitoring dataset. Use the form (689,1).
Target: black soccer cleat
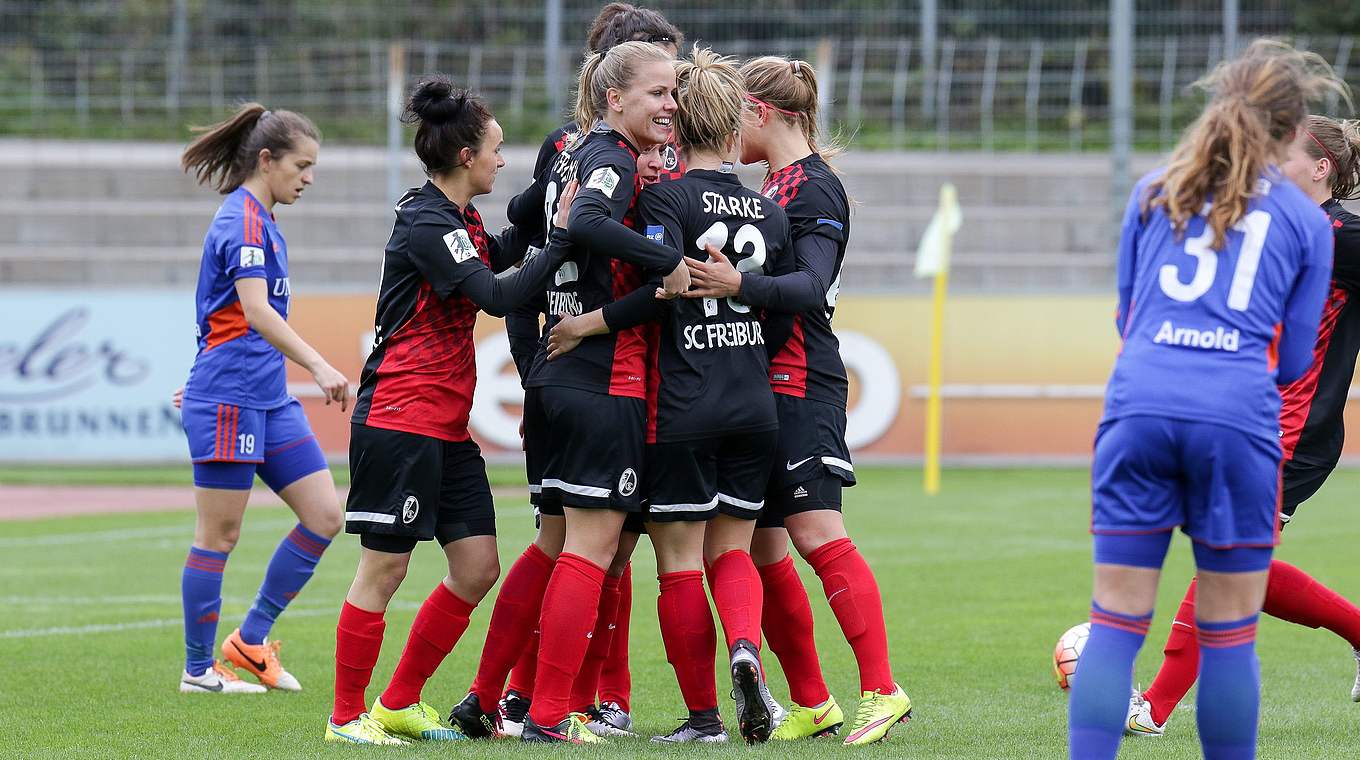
(469,717)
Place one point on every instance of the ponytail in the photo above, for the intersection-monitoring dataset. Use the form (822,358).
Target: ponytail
(584,113)
(789,87)
(1339,143)
(226,154)
(1259,99)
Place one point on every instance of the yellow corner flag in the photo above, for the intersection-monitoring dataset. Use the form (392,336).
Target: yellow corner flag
(932,260)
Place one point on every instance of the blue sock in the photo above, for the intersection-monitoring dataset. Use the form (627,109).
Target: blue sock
(1100,693)
(1229,699)
(290,569)
(201,590)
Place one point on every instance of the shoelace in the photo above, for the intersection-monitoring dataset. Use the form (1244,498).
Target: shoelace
(224,672)
(370,725)
(864,715)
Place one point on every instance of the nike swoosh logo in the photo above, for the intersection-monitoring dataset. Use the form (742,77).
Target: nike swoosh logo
(796,465)
(867,729)
(260,666)
(817,719)
(215,687)
(833,596)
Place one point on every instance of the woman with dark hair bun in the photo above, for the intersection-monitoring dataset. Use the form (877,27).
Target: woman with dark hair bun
(416,473)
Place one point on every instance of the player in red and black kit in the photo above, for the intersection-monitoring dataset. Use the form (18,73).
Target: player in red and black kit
(518,603)
(1324,161)
(811,392)
(416,474)
(712,428)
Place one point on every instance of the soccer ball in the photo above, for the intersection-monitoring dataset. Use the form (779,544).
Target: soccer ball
(1067,652)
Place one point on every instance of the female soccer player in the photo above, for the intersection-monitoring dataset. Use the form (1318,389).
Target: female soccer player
(416,473)
(518,602)
(624,103)
(1223,269)
(811,391)
(1324,161)
(237,413)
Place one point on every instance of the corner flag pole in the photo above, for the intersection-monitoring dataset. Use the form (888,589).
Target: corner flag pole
(932,260)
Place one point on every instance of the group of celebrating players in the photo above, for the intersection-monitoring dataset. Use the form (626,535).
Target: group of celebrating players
(672,331)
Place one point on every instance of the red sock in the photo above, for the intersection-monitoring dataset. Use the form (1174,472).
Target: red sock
(513,621)
(787,622)
(358,639)
(526,667)
(738,595)
(1293,595)
(569,609)
(1180,668)
(437,627)
(588,680)
(853,595)
(616,684)
(689,636)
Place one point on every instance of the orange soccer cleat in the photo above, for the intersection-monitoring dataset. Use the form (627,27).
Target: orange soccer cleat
(259,660)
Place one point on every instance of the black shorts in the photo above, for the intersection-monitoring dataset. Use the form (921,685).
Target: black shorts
(406,487)
(1301,481)
(812,462)
(535,445)
(593,450)
(693,481)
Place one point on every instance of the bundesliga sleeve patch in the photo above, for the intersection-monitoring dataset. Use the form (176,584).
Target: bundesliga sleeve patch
(252,256)
(460,246)
(605,180)
(656,232)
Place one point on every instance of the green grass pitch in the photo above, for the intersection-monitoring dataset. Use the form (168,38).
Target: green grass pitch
(978,582)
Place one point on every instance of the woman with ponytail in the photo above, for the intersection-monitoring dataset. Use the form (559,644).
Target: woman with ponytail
(1324,161)
(517,604)
(1223,272)
(237,414)
(813,466)
(416,474)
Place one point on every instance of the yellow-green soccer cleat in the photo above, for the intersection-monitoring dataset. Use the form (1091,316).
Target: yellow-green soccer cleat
(810,722)
(418,721)
(572,730)
(876,714)
(361,730)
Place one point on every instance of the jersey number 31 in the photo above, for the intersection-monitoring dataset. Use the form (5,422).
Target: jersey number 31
(1254,226)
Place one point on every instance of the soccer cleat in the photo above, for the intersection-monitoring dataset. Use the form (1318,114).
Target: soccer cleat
(418,721)
(513,709)
(876,714)
(1355,690)
(362,730)
(711,732)
(756,709)
(1139,721)
(609,719)
(259,660)
(219,679)
(469,717)
(801,722)
(572,730)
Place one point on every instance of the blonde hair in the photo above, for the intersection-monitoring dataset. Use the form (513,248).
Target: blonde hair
(1338,142)
(1259,99)
(709,98)
(613,70)
(791,87)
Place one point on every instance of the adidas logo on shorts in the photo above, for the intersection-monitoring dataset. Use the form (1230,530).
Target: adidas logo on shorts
(799,492)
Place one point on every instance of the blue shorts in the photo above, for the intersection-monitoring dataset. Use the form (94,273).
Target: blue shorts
(1219,484)
(230,444)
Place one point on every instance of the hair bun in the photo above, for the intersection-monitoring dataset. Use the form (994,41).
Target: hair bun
(436,100)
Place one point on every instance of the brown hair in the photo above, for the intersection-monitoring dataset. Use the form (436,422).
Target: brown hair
(448,119)
(1339,143)
(1259,99)
(791,87)
(601,72)
(227,153)
(620,22)
(709,98)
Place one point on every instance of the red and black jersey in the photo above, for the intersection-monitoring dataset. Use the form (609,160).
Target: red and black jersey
(421,373)
(1311,425)
(710,363)
(809,365)
(607,260)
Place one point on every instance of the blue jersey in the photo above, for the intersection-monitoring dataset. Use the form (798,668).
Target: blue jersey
(236,365)
(1208,334)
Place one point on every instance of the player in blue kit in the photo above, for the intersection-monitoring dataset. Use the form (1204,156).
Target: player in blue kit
(236,410)
(1223,269)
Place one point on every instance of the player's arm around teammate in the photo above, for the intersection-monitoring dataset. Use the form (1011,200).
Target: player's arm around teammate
(236,409)
(1223,270)
(416,474)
